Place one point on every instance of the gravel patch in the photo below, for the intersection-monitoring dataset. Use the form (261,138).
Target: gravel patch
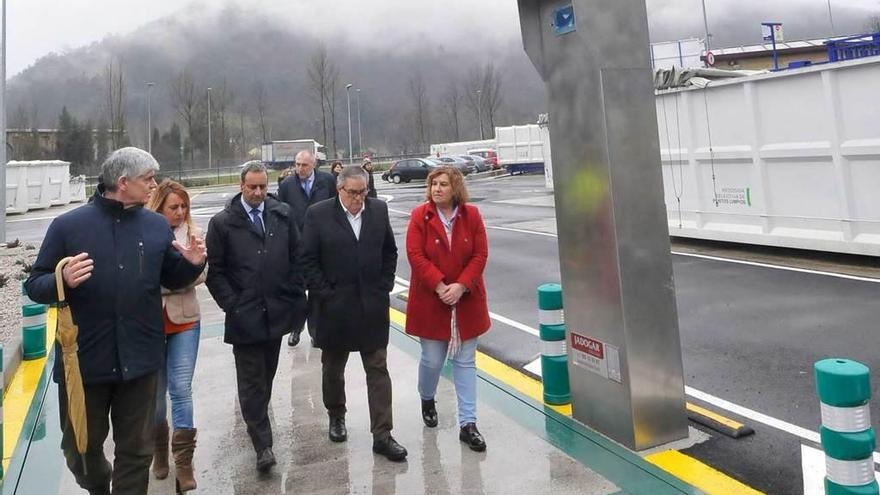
(14,264)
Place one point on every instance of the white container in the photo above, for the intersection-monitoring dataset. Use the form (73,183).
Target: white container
(16,188)
(789,159)
(519,145)
(445,149)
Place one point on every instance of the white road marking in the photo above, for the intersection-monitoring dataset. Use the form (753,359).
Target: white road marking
(813,468)
(534,366)
(726,260)
(399,212)
(35,219)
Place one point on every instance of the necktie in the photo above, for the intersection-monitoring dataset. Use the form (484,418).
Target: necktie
(307,189)
(258,221)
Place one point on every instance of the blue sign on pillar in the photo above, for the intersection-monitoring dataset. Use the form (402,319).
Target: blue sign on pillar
(563,20)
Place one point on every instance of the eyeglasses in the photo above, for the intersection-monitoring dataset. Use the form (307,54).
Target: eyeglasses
(354,193)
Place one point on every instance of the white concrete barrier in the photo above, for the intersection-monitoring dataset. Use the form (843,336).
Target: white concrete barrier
(789,159)
(37,184)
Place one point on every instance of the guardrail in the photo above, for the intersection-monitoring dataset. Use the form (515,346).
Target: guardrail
(865,45)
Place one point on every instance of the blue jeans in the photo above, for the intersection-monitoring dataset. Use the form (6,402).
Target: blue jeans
(176,378)
(464,375)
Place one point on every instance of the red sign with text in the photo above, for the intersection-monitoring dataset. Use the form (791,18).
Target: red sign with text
(588,345)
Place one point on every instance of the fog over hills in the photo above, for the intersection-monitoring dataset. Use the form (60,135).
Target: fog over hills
(381,47)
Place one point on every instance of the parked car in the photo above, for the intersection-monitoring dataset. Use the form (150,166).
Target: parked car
(480,163)
(488,154)
(409,169)
(453,161)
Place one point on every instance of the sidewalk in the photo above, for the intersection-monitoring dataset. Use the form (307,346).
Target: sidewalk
(531,449)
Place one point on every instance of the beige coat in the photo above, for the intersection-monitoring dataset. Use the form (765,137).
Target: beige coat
(182,305)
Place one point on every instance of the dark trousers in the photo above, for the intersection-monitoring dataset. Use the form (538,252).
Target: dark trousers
(378,388)
(311,316)
(131,406)
(255,366)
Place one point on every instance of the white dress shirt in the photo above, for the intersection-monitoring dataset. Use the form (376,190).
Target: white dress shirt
(354,220)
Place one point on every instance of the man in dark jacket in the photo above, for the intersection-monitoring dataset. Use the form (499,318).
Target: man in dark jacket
(122,254)
(300,190)
(349,258)
(255,278)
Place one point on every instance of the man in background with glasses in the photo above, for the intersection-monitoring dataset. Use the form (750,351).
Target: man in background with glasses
(305,187)
(349,259)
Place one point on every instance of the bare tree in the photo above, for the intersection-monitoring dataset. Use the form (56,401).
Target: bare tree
(242,136)
(418,91)
(261,98)
(185,101)
(19,119)
(322,75)
(331,99)
(873,23)
(115,81)
(222,98)
(484,95)
(492,97)
(452,101)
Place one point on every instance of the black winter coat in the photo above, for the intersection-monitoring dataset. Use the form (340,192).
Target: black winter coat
(119,309)
(291,192)
(256,280)
(351,278)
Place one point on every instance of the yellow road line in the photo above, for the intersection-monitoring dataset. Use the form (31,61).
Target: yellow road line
(674,462)
(19,395)
(519,381)
(714,416)
(692,471)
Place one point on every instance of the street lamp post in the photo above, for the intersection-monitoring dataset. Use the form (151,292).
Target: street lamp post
(209,128)
(348,96)
(360,136)
(706,27)
(831,20)
(3,130)
(150,117)
(480,111)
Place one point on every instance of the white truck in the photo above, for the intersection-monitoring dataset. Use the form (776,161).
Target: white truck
(520,148)
(462,148)
(281,154)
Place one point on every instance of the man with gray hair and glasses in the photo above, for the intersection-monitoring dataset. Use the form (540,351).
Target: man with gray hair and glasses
(349,259)
(122,254)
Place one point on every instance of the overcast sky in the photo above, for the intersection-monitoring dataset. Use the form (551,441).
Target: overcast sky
(38,27)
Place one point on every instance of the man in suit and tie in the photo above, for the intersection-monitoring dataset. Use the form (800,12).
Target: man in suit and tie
(253,248)
(349,258)
(305,187)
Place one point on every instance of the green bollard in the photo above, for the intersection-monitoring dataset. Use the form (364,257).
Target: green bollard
(554,359)
(33,337)
(844,389)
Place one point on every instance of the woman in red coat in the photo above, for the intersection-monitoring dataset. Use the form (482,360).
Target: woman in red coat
(447,250)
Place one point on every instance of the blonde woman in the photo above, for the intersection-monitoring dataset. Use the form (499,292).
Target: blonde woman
(181,314)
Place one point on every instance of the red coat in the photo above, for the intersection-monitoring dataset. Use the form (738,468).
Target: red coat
(431,261)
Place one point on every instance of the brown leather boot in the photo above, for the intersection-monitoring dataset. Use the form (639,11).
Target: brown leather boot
(160,454)
(183,443)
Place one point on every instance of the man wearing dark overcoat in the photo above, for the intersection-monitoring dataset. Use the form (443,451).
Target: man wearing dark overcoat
(349,259)
(255,278)
(305,187)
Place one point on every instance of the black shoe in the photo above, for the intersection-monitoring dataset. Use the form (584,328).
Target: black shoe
(293,339)
(471,436)
(265,460)
(429,413)
(390,449)
(337,431)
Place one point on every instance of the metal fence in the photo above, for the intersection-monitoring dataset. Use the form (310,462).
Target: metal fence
(865,45)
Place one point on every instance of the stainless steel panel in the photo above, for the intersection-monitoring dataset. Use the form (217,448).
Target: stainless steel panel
(613,237)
